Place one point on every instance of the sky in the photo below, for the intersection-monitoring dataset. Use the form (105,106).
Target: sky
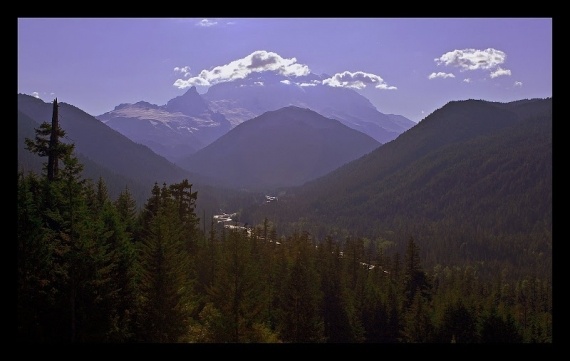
(404,66)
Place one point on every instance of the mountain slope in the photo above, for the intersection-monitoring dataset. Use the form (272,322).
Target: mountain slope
(107,151)
(191,121)
(174,130)
(120,162)
(473,173)
(280,148)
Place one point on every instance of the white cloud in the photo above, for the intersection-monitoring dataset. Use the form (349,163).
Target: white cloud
(357,80)
(258,83)
(499,72)
(518,83)
(184,70)
(36,95)
(467,80)
(206,23)
(256,62)
(441,75)
(472,59)
(261,61)
(286,81)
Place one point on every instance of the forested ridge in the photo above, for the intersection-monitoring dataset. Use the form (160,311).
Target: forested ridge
(472,182)
(92,268)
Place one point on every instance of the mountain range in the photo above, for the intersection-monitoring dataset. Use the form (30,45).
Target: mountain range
(473,180)
(277,149)
(174,130)
(105,152)
(191,121)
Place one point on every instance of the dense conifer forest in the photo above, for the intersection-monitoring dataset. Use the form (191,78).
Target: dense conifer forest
(96,269)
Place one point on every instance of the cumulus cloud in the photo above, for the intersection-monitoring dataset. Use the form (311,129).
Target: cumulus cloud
(206,23)
(256,62)
(441,75)
(518,83)
(262,61)
(36,95)
(500,72)
(357,80)
(474,59)
(184,70)
(467,80)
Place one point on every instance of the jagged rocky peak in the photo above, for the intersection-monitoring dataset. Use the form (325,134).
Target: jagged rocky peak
(146,105)
(189,103)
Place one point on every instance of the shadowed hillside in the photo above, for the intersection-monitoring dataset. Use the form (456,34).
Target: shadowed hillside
(280,148)
(472,180)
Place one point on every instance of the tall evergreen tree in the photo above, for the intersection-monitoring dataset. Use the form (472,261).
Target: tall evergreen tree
(337,325)
(236,292)
(165,283)
(127,210)
(185,202)
(459,325)
(36,286)
(415,279)
(47,143)
(300,319)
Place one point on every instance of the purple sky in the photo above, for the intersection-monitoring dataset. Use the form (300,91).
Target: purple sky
(409,67)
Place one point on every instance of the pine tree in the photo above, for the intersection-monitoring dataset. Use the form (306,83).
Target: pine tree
(36,257)
(415,279)
(459,324)
(237,293)
(418,327)
(127,210)
(120,296)
(337,325)
(185,202)
(165,284)
(47,144)
(300,319)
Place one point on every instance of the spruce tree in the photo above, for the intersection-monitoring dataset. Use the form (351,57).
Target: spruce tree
(415,279)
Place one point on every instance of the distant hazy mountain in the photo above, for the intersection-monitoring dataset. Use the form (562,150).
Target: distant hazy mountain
(191,121)
(177,129)
(242,99)
(471,169)
(280,148)
(104,151)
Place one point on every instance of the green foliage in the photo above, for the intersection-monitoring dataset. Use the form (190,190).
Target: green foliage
(236,291)
(166,271)
(299,319)
(474,179)
(415,279)
(91,269)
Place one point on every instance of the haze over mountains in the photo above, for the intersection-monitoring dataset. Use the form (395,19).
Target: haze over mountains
(475,175)
(107,152)
(280,148)
(190,122)
(181,127)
